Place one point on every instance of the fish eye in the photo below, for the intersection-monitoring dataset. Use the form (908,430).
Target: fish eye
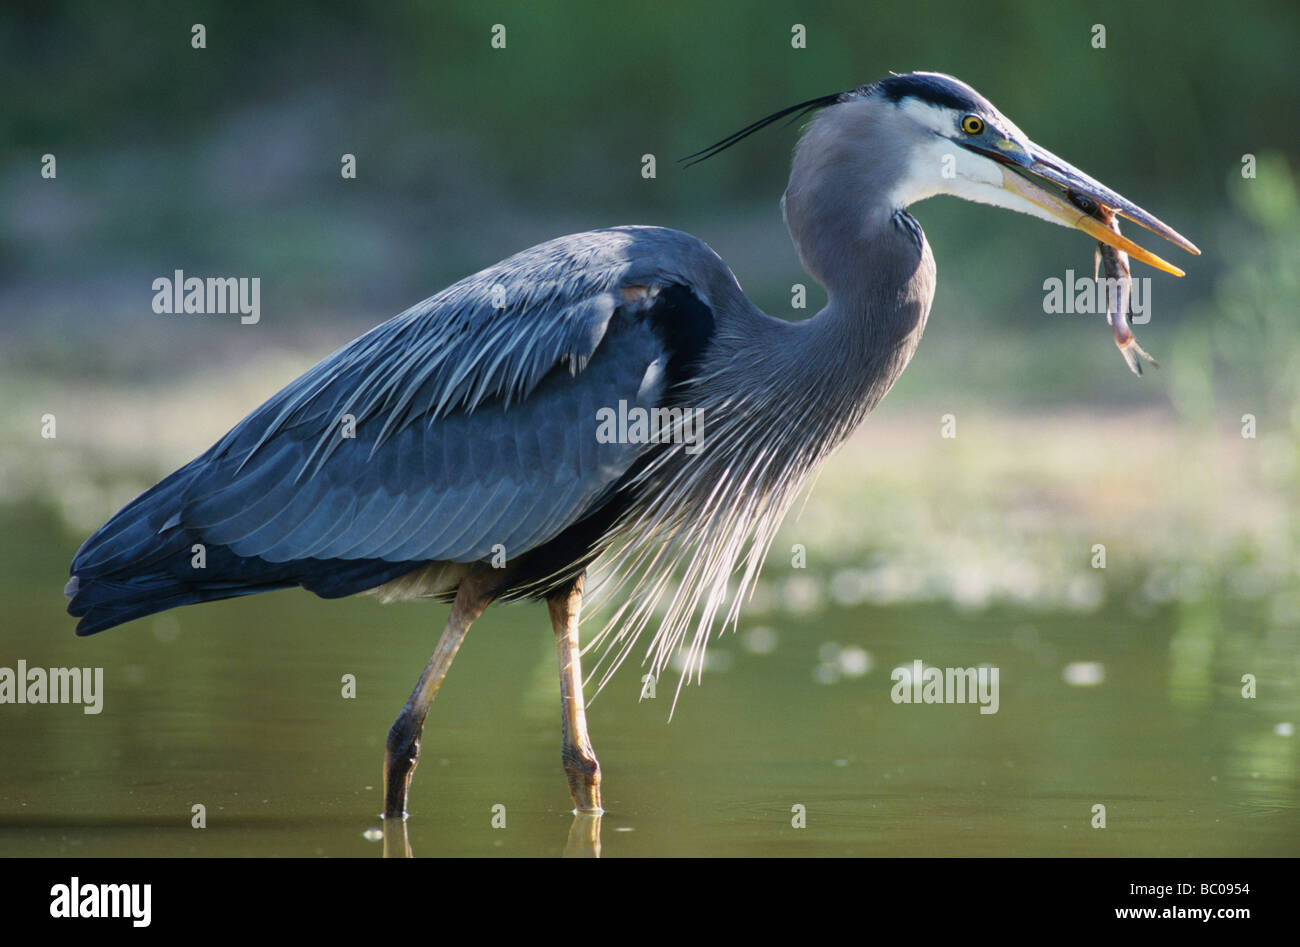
(1082,201)
(972,124)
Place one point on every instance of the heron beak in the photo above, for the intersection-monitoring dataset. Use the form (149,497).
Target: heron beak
(1061,192)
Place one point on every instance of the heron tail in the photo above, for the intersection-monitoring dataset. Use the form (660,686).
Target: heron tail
(144,560)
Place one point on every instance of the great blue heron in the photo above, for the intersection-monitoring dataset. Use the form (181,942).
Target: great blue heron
(455,451)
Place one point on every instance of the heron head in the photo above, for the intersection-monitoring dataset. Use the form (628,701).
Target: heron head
(955,141)
(908,137)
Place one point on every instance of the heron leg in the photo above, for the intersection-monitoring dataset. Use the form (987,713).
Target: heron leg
(403,749)
(580,763)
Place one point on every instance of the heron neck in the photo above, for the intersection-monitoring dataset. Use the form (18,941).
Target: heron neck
(871,258)
(875,265)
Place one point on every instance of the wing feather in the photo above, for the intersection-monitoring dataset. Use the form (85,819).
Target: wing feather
(473,424)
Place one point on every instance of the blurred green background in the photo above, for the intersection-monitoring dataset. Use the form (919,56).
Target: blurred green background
(225,161)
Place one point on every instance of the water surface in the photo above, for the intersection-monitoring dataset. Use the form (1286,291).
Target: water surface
(238,707)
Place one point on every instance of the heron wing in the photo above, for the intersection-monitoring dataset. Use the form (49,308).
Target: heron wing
(461,426)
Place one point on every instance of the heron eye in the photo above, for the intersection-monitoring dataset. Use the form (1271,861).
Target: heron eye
(972,124)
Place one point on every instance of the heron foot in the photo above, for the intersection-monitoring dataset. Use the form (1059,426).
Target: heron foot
(583,772)
(400,760)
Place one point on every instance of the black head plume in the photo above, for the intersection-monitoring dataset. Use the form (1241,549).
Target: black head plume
(798,111)
(931,87)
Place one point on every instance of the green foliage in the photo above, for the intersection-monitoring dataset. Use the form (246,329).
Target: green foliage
(1256,298)
(227,157)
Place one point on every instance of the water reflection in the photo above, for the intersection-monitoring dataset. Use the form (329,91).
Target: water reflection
(583,840)
(397,841)
(584,836)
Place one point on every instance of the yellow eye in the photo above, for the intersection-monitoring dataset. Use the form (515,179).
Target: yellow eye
(972,124)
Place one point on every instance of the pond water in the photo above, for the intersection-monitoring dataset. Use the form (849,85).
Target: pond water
(239,707)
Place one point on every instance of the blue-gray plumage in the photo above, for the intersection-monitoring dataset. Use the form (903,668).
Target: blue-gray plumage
(452,451)
(468,421)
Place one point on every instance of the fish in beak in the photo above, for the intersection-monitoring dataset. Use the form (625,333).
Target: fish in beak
(1057,189)
(1114,263)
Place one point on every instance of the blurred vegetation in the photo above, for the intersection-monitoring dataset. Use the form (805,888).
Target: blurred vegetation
(1256,297)
(226,159)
